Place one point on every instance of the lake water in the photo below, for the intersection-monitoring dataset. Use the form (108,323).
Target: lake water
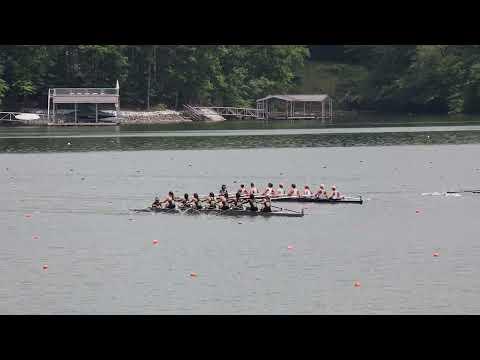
(67,206)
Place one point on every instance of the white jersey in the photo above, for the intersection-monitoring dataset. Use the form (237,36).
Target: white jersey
(307,192)
(280,191)
(269,192)
(294,192)
(335,195)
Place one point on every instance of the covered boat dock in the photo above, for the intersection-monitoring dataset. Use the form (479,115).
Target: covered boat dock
(291,107)
(79,96)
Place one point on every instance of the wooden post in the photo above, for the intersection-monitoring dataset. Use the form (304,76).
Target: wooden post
(323,110)
(96,113)
(76,113)
(48,107)
(54,120)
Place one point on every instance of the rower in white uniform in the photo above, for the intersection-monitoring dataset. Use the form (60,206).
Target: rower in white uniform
(243,190)
(293,191)
(335,195)
(307,192)
(269,191)
(253,189)
(321,193)
(280,191)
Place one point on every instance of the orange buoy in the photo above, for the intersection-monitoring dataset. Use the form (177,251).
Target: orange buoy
(436,254)
(357,284)
(193,274)
(45,267)
(155,242)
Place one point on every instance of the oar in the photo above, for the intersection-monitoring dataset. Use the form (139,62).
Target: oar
(464,191)
(293,211)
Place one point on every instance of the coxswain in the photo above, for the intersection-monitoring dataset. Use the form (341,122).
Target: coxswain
(243,190)
(269,191)
(306,191)
(267,205)
(293,191)
(156,203)
(252,203)
(195,203)
(223,204)
(335,195)
(280,190)
(170,201)
(253,189)
(212,203)
(321,193)
(223,191)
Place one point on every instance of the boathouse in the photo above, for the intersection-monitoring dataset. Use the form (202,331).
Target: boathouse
(82,96)
(295,107)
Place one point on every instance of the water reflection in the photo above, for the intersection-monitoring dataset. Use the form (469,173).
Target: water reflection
(26,145)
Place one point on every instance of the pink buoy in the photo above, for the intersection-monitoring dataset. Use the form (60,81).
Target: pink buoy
(417,211)
(357,284)
(28,216)
(155,242)
(35,237)
(436,254)
(45,267)
(290,247)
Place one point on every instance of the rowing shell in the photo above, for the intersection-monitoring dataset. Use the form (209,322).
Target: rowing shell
(317,200)
(231,212)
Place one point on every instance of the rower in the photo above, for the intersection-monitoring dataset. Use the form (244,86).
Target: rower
(185,202)
(267,205)
(223,205)
(223,191)
(269,191)
(335,195)
(195,203)
(321,193)
(170,200)
(212,203)
(253,189)
(237,202)
(252,203)
(243,190)
(293,191)
(280,190)
(156,203)
(306,191)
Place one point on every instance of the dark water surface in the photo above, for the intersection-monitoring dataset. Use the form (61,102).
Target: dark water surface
(101,258)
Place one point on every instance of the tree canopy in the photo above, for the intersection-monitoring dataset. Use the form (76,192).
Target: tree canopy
(402,78)
(151,75)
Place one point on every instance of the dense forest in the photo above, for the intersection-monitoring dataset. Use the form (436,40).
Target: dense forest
(403,78)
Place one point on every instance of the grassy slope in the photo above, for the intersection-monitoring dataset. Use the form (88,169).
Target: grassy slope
(331,78)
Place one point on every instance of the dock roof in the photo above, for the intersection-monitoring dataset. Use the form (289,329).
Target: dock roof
(298,98)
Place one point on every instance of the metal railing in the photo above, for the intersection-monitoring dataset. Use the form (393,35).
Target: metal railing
(84,91)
